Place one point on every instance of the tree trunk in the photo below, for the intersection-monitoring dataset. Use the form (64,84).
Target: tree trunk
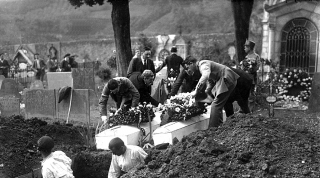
(121,26)
(242,10)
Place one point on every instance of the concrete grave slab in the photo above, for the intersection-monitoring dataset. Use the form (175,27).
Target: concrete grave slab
(83,78)
(314,100)
(57,80)
(80,107)
(9,87)
(37,84)
(9,106)
(40,103)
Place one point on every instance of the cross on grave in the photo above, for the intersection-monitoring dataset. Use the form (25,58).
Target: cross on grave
(271,99)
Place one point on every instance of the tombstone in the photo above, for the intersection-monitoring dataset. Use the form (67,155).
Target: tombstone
(83,78)
(314,100)
(9,106)
(80,107)
(89,64)
(1,79)
(181,47)
(57,80)
(40,103)
(9,87)
(37,84)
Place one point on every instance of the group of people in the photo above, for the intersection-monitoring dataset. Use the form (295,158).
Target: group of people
(208,81)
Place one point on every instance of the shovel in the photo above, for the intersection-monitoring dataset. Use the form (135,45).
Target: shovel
(70,105)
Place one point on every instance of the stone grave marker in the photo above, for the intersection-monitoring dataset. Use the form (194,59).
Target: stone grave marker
(57,80)
(9,87)
(83,78)
(9,106)
(314,100)
(40,103)
(88,64)
(80,107)
(1,79)
(37,84)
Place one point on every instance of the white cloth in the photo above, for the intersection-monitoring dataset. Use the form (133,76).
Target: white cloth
(143,60)
(133,156)
(57,165)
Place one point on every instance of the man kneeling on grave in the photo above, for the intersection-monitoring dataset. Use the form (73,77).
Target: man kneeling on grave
(122,91)
(124,158)
(143,82)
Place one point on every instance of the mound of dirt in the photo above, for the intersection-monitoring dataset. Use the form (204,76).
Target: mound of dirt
(18,150)
(246,146)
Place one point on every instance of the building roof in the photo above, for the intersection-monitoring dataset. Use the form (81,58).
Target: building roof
(20,52)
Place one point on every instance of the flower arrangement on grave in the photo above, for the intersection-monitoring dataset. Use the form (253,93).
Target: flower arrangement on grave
(132,115)
(293,85)
(182,107)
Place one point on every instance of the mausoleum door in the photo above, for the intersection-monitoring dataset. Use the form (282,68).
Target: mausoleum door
(299,45)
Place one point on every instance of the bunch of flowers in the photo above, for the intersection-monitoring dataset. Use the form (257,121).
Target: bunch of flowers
(172,76)
(131,116)
(182,107)
(249,65)
(293,85)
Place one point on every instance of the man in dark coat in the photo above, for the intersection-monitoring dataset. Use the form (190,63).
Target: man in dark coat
(122,91)
(39,67)
(142,82)
(141,64)
(65,64)
(4,66)
(172,62)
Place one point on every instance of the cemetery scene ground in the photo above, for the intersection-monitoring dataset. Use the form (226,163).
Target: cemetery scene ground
(254,145)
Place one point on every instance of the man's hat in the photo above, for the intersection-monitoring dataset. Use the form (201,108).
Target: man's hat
(36,54)
(67,55)
(250,43)
(174,49)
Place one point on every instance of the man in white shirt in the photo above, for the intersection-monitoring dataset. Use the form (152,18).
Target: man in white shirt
(124,158)
(55,164)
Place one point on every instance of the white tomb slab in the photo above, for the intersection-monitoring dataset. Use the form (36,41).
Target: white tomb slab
(130,134)
(167,132)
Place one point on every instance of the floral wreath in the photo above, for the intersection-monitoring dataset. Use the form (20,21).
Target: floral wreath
(293,85)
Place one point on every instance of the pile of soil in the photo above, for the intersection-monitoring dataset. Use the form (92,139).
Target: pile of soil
(18,150)
(245,146)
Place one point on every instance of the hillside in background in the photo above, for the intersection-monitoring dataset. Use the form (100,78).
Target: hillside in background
(35,21)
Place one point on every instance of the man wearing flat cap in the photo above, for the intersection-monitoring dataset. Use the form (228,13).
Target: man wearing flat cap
(39,67)
(124,158)
(251,63)
(122,91)
(141,64)
(65,64)
(55,164)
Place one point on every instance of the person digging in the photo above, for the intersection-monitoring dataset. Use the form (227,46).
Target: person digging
(124,158)
(55,164)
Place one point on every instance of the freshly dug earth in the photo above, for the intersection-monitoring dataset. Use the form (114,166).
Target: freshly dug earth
(245,146)
(18,150)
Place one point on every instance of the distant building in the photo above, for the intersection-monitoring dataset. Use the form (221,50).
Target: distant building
(291,34)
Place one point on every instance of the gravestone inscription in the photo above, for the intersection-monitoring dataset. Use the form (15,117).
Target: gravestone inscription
(83,78)
(40,103)
(9,87)
(9,106)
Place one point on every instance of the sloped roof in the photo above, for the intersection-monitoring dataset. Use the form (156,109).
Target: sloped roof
(23,55)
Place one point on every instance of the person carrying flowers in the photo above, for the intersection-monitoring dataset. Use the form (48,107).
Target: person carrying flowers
(122,91)
(224,80)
